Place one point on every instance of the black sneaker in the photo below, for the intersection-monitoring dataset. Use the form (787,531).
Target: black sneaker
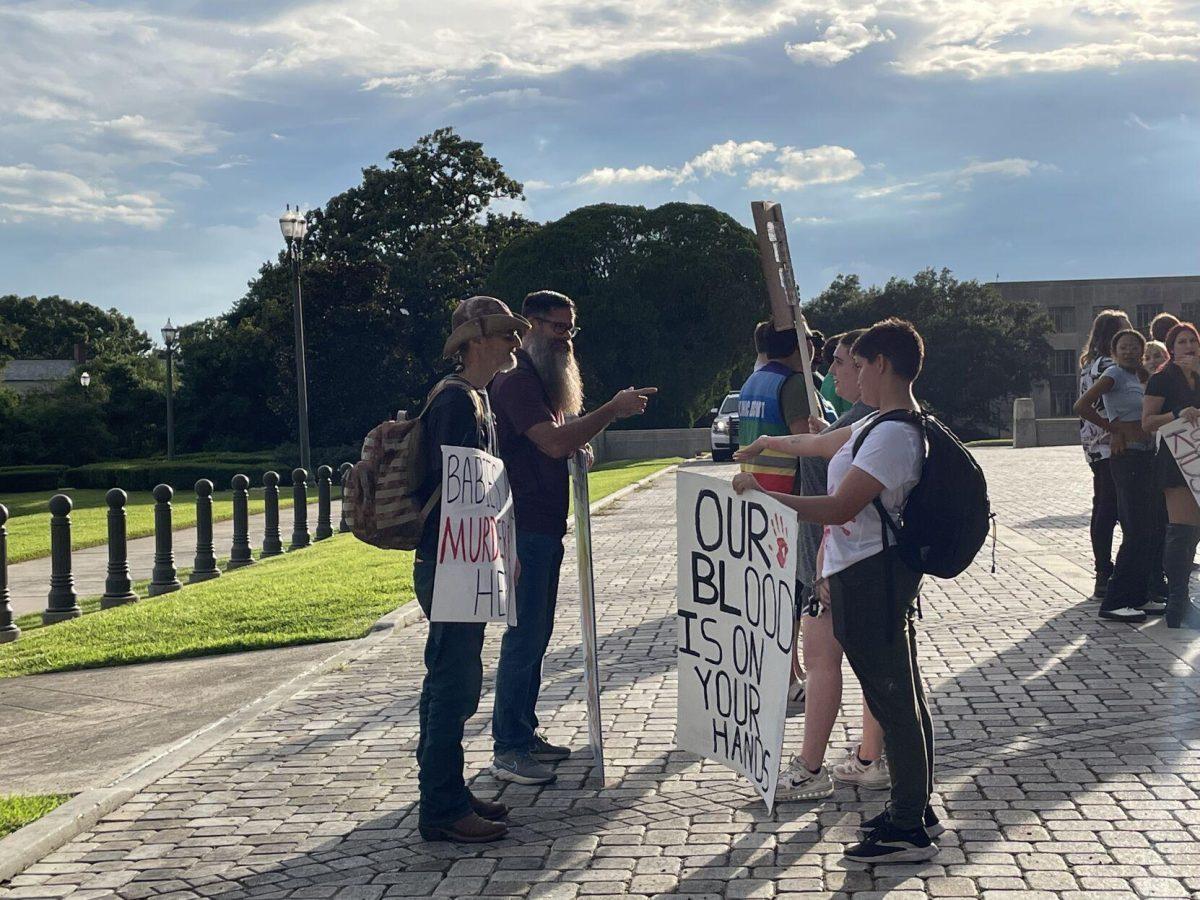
(933,827)
(888,844)
(1101,591)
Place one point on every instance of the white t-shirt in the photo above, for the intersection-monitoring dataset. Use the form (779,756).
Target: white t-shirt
(892,454)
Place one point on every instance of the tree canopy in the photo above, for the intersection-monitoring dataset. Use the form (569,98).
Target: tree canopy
(979,348)
(384,264)
(665,297)
(50,327)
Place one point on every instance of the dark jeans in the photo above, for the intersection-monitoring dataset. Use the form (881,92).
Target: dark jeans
(1142,515)
(519,675)
(879,636)
(449,696)
(1104,516)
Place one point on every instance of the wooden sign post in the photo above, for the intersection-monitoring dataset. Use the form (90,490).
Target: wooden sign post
(781,285)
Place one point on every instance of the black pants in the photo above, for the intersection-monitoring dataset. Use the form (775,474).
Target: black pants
(1104,516)
(449,696)
(1142,514)
(879,636)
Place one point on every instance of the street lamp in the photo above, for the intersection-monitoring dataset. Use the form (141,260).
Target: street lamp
(169,335)
(84,380)
(294,226)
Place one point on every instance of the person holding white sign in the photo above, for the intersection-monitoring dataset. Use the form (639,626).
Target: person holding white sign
(485,335)
(1173,394)
(871,591)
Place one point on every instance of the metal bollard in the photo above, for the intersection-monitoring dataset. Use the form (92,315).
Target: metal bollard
(62,602)
(272,546)
(300,538)
(118,587)
(240,554)
(345,467)
(164,578)
(8,631)
(204,567)
(324,489)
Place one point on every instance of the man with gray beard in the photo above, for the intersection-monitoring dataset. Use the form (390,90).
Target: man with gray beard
(537,407)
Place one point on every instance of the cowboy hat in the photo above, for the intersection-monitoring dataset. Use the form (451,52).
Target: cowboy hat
(478,317)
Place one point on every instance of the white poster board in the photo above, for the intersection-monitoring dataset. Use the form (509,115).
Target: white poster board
(477,546)
(1183,440)
(736,626)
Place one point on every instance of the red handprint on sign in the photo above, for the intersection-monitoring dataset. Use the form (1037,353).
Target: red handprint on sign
(779,528)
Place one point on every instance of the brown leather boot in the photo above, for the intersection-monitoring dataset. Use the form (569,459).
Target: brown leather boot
(470,829)
(493,812)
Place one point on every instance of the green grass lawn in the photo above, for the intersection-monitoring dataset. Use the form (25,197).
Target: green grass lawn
(335,590)
(17,811)
(29,522)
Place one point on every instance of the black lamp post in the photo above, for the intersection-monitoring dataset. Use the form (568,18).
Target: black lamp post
(294,227)
(169,335)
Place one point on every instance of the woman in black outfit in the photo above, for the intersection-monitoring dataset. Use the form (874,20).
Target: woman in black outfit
(1174,393)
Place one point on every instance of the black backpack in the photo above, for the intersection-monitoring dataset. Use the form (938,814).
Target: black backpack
(945,519)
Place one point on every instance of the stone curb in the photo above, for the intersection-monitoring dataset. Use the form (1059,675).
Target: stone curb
(27,845)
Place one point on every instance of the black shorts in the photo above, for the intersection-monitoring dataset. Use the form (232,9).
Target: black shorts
(1166,470)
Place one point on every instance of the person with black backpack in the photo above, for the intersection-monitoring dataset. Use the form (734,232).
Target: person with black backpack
(904,499)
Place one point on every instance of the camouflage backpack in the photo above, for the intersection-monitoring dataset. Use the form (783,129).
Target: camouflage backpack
(379,494)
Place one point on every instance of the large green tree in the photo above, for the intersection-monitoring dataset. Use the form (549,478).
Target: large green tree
(384,264)
(980,349)
(666,297)
(50,327)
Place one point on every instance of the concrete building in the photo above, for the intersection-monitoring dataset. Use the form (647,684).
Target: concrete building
(28,376)
(1073,304)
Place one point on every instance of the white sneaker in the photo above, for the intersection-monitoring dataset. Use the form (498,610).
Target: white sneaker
(795,701)
(796,782)
(874,775)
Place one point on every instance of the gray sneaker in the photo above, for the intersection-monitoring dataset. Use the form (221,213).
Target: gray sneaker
(544,751)
(796,782)
(521,768)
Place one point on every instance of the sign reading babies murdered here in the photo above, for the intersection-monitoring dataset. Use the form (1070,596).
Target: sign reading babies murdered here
(736,626)
(1183,440)
(477,546)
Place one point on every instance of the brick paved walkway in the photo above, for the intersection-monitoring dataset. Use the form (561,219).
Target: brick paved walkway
(1069,748)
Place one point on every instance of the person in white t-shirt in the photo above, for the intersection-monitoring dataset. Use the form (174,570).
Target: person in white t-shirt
(870,591)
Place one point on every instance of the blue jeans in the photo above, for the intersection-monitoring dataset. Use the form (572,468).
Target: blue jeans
(449,696)
(519,675)
(1142,515)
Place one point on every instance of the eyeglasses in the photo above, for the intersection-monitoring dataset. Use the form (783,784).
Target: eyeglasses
(562,329)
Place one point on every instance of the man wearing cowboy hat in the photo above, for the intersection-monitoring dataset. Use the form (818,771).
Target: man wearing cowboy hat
(536,405)
(484,338)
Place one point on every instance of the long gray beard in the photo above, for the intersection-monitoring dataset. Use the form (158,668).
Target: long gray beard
(560,375)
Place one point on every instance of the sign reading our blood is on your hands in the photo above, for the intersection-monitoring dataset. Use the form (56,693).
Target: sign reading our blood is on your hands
(477,549)
(736,626)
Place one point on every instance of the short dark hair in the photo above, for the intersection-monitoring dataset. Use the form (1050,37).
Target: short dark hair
(760,336)
(544,301)
(780,344)
(851,336)
(1174,333)
(1161,325)
(896,340)
(831,345)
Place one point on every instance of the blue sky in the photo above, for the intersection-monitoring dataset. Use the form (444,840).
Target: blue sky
(147,148)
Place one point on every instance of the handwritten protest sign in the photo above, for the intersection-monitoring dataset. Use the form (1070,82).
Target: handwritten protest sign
(736,626)
(1183,440)
(477,546)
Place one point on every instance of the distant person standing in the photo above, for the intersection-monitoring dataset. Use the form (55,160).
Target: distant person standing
(535,406)
(1132,589)
(829,384)
(1161,325)
(1097,446)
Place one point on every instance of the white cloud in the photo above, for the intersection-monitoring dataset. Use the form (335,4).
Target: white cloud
(798,169)
(606,176)
(841,40)
(726,158)
(27,192)
(536,184)
(178,139)
(1012,167)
